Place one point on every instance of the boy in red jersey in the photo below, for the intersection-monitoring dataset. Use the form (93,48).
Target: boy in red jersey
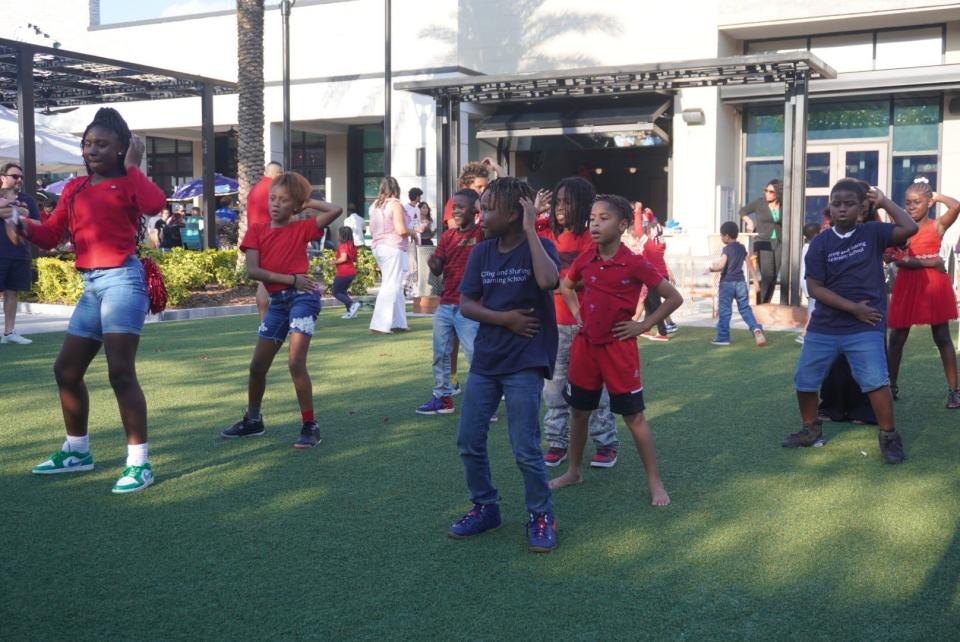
(277,257)
(604,352)
(450,260)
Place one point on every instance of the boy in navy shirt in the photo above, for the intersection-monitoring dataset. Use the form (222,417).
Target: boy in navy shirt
(507,286)
(733,286)
(844,270)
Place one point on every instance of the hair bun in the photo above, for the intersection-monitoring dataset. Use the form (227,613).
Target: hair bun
(922,179)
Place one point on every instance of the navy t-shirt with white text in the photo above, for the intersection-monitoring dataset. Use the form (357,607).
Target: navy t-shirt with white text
(505,281)
(850,265)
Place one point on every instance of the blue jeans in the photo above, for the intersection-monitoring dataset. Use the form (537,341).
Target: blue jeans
(340,286)
(114,301)
(866,353)
(730,290)
(447,323)
(481,399)
(290,311)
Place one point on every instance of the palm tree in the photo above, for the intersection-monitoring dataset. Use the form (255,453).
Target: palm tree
(250,152)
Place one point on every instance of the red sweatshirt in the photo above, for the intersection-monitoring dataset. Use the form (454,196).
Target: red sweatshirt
(103,219)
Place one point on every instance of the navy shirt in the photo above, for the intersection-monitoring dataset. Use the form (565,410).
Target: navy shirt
(852,267)
(733,270)
(505,281)
(7,249)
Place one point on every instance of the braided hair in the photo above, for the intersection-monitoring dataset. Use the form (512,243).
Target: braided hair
(578,195)
(619,204)
(506,192)
(921,187)
(109,118)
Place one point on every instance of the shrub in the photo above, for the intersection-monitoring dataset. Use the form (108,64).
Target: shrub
(57,281)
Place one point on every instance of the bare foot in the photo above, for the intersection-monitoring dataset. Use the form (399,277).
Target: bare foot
(567,479)
(658,495)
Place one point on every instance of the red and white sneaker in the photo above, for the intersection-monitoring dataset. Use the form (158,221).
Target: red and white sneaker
(655,337)
(606,457)
(555,456)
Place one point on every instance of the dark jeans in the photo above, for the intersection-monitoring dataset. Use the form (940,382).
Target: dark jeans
(768,255)
(650,305)
(340,286)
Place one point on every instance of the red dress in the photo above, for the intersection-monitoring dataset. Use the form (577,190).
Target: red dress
(923,296)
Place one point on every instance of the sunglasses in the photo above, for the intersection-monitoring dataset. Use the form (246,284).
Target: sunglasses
(16,177)
(770,191)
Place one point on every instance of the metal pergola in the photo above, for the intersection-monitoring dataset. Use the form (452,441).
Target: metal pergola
(34,77)
(793,70)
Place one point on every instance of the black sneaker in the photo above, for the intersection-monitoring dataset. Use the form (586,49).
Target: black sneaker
(953,399)
(309,435)
(891,448)
(246,427)
(806,437)
(895,391)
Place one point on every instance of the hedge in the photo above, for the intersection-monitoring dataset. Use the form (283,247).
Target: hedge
(184,271)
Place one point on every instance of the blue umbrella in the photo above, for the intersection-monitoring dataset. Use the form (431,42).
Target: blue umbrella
(221,185)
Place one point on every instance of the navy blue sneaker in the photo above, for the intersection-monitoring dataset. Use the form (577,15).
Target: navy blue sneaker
(541,532)
(480,518)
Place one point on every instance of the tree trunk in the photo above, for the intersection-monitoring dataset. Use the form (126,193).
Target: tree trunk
(250,152)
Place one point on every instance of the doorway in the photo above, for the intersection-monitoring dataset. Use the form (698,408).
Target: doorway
(827,164)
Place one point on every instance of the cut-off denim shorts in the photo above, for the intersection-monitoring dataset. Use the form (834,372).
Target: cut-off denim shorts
(114,301)
(290,311)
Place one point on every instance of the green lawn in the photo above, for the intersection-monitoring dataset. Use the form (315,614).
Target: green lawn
(255,540)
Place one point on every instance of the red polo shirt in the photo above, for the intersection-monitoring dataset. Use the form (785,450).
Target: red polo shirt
(258,203)
(611,290)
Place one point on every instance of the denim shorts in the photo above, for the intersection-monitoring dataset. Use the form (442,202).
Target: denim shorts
(865,351)
(114,301)
(290,311)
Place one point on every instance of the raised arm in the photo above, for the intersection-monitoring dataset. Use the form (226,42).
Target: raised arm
(545,271)
(950,216)
(147,197)
(906,226)
(326,214)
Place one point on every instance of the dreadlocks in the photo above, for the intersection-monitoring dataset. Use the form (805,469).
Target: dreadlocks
(506,192)
(578,195)
(109,118)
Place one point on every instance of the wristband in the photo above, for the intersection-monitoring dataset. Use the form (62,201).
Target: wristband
(294,284)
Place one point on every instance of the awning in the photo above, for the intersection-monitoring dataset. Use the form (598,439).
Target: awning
(628,120)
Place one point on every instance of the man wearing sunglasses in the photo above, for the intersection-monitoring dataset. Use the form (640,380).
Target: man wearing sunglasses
(15,259)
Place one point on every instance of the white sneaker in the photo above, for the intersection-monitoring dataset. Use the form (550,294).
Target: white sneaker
(13,337)
(353,310)
(346,315)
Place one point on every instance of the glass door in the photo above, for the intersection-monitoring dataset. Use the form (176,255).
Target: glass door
(827,164)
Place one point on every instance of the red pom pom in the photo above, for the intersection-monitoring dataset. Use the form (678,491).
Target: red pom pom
(156,288)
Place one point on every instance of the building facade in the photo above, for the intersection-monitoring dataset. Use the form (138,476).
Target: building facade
(892,113)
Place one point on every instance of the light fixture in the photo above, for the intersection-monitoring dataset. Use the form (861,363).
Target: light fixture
(632,170)
(598,171)
(693,116)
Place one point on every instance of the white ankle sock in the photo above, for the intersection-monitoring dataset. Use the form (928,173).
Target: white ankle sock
(136,454)
(77,444)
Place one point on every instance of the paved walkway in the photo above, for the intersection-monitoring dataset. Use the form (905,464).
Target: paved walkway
(696,311)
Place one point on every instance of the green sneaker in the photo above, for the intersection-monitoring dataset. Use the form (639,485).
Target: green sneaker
(134,479)
(65,462)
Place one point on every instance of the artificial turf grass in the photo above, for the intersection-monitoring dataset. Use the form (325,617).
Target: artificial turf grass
(251,539)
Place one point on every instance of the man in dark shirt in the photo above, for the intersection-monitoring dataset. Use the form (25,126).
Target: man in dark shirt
(15,260)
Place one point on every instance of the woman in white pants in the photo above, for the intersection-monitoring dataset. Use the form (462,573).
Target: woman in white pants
(390,243)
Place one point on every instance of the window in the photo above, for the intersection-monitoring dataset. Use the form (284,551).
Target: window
(909,48)
(851,119)
(759,173)
(777,46)
(372,164)
(169,162)
(114,11)
(764,130)
(907,168)
(916,125)
(849,52)
(308,156)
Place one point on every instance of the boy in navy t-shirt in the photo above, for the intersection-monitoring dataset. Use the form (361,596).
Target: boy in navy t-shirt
(507,286)
(733,286)
(844,269)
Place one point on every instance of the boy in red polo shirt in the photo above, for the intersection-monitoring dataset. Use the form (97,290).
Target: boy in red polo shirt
(604,352)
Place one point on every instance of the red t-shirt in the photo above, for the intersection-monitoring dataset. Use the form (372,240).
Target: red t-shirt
(654,253)
(103,219)
(569,246)
(453,250)
(611,290)
(258,203)
(350,267)
(282,249)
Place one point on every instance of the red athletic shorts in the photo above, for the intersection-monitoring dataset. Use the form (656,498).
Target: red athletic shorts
(615,365)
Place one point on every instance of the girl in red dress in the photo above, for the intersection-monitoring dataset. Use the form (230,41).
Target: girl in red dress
(922,293)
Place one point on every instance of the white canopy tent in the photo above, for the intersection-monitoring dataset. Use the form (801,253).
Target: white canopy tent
(56,151)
